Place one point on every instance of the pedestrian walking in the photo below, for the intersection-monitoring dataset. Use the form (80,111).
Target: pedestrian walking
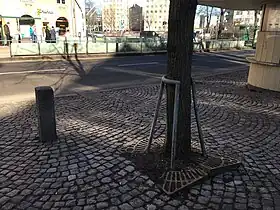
(48,34)
(53,35)
(31,33)
(19,37)
(34,40)
(8,33)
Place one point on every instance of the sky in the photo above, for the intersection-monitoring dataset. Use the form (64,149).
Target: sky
(131,2)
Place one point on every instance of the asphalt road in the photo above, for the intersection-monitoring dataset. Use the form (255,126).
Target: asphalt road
(17,80)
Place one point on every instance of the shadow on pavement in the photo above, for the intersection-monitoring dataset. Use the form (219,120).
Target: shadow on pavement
(94,131)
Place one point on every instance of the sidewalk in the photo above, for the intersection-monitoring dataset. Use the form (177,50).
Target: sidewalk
(4,52)
(87,169)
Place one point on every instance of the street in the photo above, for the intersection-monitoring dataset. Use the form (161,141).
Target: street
(18,79)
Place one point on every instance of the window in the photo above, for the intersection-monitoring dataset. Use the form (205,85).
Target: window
(58,1)
(155,11)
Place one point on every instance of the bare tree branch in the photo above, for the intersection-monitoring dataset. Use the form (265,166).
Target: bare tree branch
(149,21)
(109,17)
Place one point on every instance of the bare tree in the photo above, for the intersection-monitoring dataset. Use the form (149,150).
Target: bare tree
(207,12)
(149,23)
(109,17)
(221,24)
(149,20)
(256,20)
(89,3)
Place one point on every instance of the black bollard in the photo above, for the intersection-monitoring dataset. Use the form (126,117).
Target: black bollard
(117,47)
(46,114)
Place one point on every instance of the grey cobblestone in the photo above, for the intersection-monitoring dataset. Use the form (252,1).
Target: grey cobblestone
(85,169)
(126,206)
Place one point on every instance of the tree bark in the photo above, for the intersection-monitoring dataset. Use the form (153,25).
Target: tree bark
(180,50)
(256,12)
(208,18)
(221,24)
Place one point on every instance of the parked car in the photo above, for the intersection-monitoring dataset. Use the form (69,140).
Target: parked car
(97,34)
(149,34)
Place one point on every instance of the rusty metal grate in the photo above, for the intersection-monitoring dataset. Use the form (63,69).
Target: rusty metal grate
(173,181)
(214,164)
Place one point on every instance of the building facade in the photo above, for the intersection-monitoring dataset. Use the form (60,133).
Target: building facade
(156,14)
(135,18)
(246,17)
(115,15)
(94,19)
(62,14)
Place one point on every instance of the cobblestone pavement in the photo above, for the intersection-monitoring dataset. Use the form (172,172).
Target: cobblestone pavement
(85,168)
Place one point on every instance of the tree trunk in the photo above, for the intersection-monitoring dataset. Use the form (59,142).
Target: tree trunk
(221,24)
(208,19)
(255,26)
(180,50)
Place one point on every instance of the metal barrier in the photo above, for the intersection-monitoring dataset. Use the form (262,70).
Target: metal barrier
(89,46)
(105,45)
(164,82)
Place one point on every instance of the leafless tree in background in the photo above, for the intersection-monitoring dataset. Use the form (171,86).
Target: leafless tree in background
(109,18)
(221,24)
(207,12)
(256,20)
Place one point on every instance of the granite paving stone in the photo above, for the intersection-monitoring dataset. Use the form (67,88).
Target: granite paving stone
(86,167)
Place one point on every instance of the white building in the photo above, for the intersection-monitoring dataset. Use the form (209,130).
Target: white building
(245,17)
(115,15)
(156,15)
(62,14)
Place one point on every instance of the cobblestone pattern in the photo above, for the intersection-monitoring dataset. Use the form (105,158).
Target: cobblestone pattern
(84,169)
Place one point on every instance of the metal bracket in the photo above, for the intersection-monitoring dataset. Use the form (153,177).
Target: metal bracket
(164,82)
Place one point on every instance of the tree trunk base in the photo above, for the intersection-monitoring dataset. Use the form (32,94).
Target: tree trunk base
(189,171)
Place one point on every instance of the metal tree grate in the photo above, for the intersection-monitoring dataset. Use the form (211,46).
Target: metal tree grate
(173,181)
